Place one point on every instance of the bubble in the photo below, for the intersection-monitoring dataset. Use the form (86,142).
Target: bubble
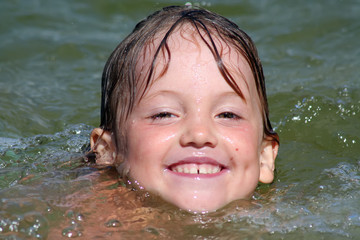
(80,217)
(113,223)
(71,232)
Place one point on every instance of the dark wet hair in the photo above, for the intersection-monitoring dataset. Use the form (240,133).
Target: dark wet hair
(119,79)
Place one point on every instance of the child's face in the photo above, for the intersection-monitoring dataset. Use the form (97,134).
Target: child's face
(192,139)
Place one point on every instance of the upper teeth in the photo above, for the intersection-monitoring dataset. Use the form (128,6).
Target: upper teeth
(196,169)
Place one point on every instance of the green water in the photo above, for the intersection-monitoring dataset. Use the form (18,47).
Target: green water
(51,58)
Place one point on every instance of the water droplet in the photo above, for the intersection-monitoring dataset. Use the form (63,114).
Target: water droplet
(70,232)
(113,223)
(80,217)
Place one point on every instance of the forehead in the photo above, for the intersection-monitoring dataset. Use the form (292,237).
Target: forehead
(186,39)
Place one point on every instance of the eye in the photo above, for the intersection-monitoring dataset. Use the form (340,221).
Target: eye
(162,115)
(228,115)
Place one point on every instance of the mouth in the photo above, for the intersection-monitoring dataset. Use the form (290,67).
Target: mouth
(196,167)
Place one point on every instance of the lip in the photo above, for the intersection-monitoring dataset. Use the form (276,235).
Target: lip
(198,161)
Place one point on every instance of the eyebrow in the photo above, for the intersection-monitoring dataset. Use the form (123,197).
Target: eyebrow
(158,93)
(232,94)
(228,94)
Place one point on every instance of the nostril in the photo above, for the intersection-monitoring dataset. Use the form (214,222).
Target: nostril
(198,132)
(199,141)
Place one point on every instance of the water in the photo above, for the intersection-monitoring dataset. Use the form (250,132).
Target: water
(51,58)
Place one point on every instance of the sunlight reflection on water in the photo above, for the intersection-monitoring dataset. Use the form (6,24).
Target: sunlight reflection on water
(50,68)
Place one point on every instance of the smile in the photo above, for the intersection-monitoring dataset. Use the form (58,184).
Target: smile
(196,168)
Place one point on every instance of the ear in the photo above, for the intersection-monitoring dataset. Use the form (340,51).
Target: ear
(103,145)
(267,160)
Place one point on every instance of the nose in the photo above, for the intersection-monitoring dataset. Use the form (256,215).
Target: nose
(198,133)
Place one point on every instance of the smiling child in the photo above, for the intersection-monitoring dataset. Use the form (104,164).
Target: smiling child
(184,113)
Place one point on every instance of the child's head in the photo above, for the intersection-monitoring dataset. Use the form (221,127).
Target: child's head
(184,112)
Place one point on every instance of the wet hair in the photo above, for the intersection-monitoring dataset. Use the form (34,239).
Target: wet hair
(120,76)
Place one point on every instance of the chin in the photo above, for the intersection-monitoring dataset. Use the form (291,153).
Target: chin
(197,202)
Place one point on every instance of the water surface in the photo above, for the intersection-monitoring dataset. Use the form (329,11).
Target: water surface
(51,58)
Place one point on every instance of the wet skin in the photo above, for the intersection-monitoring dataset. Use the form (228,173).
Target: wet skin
(192,139)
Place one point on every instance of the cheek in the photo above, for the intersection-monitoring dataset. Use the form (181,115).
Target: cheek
(244,136)
(148,142)
(243,142)
(147,149)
